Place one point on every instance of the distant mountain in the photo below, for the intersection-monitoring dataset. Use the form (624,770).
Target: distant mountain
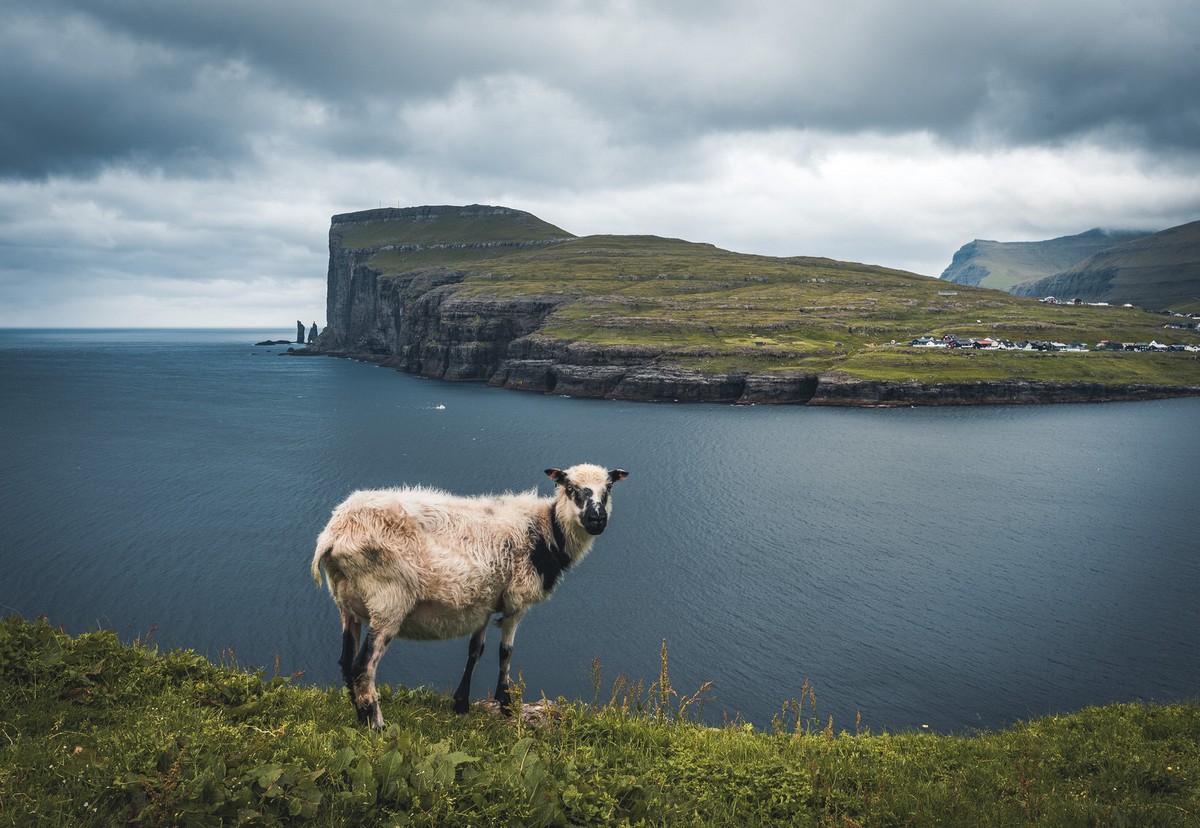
(1157,272)
(1001,265)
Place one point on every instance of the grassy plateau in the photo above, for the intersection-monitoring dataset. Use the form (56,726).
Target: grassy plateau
(713,310)
(96,732)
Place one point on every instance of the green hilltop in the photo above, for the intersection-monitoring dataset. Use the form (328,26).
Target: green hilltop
(707,309)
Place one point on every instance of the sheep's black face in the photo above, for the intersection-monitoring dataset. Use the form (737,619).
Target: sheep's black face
(587,489)
(593,515)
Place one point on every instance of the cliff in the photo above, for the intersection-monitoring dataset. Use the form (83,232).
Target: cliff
(414,320)
(496,295)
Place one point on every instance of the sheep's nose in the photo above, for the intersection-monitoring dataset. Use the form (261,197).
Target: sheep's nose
(594,519)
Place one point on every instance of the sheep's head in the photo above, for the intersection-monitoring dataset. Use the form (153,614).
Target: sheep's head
(585,488)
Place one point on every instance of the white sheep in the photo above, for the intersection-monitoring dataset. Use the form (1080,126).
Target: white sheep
(422,564)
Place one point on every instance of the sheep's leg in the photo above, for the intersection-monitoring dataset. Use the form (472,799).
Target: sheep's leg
(462,696)
(508,632)
(362,690)
(351,637)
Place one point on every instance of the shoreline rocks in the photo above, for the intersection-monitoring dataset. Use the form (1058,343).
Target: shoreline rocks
(649,383)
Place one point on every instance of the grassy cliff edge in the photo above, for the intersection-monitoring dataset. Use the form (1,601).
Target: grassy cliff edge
(94,732)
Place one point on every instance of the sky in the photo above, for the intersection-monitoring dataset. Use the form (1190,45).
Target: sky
(176,162)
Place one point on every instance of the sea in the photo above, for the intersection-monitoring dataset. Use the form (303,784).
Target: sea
(953,569)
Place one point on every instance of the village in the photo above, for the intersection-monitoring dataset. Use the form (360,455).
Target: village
(986,344)
(1181,322)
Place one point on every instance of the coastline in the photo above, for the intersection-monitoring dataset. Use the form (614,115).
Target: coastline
(660,383)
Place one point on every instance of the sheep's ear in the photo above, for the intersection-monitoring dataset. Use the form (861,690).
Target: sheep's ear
(557,475)
(617,474)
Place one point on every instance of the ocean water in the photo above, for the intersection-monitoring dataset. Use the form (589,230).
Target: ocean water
(959,568)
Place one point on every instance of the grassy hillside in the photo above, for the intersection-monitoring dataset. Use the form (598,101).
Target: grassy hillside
(712,309)
(1160,271)
(96,733)
(1001,265)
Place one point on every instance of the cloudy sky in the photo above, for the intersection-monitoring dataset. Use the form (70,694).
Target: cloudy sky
(176,162)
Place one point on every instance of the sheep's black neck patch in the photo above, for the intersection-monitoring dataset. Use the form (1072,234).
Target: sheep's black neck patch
(549,555)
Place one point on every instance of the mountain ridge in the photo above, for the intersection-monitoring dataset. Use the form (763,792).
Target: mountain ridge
(1001,265)
(1159,271)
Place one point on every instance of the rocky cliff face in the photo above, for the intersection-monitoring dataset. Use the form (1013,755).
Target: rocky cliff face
(840,390)
(580,370)
(413,320)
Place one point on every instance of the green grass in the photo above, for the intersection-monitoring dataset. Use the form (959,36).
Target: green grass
(450,228)
(990,366)
(93,732)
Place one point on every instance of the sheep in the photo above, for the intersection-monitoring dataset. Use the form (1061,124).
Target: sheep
(422,564)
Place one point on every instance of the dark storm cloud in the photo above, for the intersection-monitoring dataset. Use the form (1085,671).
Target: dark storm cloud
(148,82)
(82,94)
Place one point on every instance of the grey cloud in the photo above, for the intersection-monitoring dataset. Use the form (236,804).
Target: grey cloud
(122,80)
(83,96)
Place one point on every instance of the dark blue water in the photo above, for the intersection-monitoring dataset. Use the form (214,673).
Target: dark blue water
(957,567)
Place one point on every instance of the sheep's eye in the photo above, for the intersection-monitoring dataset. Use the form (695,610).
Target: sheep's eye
(570,490)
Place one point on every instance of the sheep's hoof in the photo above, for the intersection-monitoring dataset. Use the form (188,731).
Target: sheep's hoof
(462,705)
(538,714)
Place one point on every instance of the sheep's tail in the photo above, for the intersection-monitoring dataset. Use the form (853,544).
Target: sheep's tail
(318,559)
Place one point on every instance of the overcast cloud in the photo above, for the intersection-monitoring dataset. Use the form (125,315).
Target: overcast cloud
(176,163)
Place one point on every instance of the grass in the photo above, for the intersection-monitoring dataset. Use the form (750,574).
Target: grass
(989,366)
(714,310)
(447,228)
(94,732)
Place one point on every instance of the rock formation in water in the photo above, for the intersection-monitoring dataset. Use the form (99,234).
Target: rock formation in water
(299,332)
(312,334)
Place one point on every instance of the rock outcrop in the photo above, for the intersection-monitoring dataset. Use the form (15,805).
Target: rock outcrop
(835,389)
